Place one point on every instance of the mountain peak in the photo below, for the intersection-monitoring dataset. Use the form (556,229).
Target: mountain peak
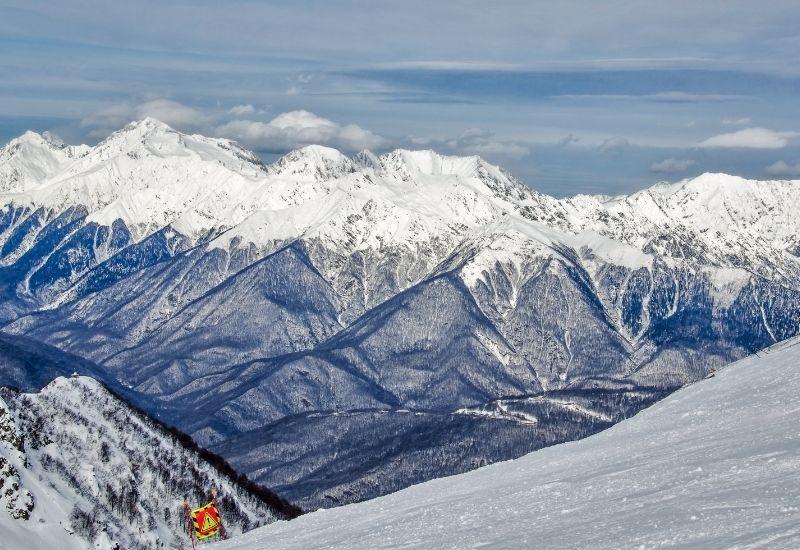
(712,183)
(45,139)
(407,165)
(136,132)
(431,163)
(367,159)
(716,179)
(321,151)
(424,161)
(149,124)
(26,161)
(315,161)
(29,137)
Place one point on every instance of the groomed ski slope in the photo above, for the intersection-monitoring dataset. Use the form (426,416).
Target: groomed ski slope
(715,465)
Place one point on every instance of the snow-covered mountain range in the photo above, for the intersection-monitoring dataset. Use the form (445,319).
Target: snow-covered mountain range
(417,302)
(712,466)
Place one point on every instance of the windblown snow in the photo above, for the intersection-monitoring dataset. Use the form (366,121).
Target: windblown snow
(714,465)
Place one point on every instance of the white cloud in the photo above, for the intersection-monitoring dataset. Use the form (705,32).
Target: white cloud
(422,141)
(239,110)
(477,141)
(114,117)
(285,132)
(614,143)
(172,113)
(298,83)
(658,97)
(743,121)
(782,168)
(684,97)
(567,140)
(495,149)
(474,141)
(436,65)
(671,165)
(297,128)
(750,138)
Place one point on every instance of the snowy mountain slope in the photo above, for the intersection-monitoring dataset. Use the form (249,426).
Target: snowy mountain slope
(721,220)
(712,466)
(283,290)
(148,175)
(32,158)
(135,183)
(413,280)
(86,471)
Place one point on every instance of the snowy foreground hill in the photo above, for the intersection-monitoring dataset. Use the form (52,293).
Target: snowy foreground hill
(714,465)
(339,328)
(79,469)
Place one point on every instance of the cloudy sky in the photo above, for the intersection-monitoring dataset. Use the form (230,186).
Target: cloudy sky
(571,96)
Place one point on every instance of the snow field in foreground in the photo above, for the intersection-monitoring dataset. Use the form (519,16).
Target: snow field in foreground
(715,465)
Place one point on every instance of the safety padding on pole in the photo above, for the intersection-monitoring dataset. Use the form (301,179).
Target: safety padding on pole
(206,521)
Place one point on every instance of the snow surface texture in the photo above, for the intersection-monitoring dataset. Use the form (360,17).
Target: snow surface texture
(714,465)
(335,293)
(79,469)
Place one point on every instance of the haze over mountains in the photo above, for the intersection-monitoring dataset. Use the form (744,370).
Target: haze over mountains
(433,309)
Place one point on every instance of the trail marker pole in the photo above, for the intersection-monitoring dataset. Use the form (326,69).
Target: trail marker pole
(223,535)
(189,525)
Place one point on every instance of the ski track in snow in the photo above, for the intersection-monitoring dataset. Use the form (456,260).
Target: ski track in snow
(714,465)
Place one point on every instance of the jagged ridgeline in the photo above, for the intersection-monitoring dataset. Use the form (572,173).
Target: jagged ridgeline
(80,468)
(339,327)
